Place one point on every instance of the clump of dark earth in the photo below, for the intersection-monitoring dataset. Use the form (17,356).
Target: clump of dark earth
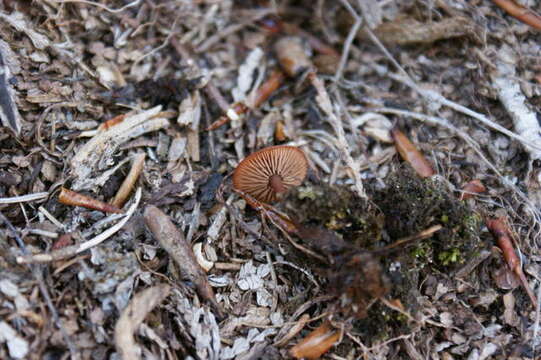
(353,233)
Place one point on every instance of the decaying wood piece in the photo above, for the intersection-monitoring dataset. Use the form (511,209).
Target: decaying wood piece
(411,154)
(408,31)
(174,242)
(501,232)
(130,180)
(132,317)
(69,251)
(9,114)
(520,12)
(507,85)
(73,198)
(97,152)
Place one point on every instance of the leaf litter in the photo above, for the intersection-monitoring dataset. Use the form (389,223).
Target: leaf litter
(149,107)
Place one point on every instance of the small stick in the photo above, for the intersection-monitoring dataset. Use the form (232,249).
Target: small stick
(51,218)
(235,111)
(425,234)
(174,242)
(73,198)
(130,180)
(275,79)
(519,12)
(501,232)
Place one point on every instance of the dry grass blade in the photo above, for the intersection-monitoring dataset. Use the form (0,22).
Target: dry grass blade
(132,317)
(24,198)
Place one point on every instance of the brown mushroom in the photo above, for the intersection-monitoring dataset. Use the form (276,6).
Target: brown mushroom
(269,173)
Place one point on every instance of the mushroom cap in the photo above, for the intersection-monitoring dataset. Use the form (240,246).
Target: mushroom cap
(254,174)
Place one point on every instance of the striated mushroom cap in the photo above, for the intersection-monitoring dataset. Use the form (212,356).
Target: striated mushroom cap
(269,173)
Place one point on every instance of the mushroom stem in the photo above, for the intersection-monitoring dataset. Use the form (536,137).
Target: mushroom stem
(277,184)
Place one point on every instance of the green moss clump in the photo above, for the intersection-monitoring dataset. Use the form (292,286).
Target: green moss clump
(411,204)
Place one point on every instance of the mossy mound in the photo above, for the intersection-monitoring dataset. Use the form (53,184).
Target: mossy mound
(411,204)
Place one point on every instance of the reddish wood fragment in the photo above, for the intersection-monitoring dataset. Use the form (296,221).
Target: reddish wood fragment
(63,241)
(235,110)
(72,198)
(112,122)
(222,120)
(520,12)
(471,188)
(501,232)
(317,343)
(411,154)
(273,82)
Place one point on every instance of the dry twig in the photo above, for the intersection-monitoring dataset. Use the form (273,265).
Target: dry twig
(502,234)
(520,12)
(69,251)
(174,242)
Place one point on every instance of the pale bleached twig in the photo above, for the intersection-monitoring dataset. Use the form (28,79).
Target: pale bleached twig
(349,40)
(51,218)
(43,233)
(106,141)
(24,198)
